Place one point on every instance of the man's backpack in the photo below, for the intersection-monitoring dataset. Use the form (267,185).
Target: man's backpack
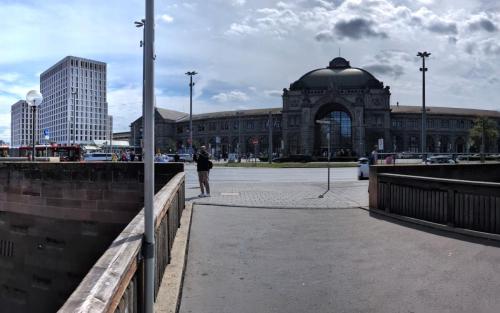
(210,164)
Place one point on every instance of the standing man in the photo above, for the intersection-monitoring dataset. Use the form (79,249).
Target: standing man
(374,156)
(203,166)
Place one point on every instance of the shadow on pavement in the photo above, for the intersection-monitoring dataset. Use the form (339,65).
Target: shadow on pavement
(438,232)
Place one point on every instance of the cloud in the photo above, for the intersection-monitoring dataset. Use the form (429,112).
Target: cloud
(238,2)
(357,28)
(233,95)
(274,93)
(166,18)
(9,77)
(440,24)
(241,29)
(384,69)
(483,24)
(441,27)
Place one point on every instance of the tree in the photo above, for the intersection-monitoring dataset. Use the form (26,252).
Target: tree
(483,133)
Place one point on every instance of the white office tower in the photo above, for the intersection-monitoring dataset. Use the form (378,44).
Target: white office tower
(21,123)
(74,108)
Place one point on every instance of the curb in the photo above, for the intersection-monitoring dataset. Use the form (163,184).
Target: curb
(456,230)
(280,207)
(169,295)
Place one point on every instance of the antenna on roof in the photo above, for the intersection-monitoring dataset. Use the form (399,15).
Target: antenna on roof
(339,52)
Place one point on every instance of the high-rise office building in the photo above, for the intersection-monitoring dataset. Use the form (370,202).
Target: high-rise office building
(74,109)
(21,126)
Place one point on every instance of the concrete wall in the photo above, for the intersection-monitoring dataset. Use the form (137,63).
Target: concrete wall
(56,219)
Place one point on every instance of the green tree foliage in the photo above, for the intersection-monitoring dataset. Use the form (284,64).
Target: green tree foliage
(490,132)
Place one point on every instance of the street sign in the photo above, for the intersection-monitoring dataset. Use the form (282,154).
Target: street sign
(46,133)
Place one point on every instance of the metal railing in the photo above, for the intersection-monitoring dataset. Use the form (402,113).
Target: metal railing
(416,158)
(466,204)
(115,282)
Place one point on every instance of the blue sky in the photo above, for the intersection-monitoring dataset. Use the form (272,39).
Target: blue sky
(247,51)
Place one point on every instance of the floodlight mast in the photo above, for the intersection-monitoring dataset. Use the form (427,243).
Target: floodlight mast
(423,135)
(191,85)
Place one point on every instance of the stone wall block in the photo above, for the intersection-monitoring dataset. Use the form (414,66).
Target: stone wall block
(63,203)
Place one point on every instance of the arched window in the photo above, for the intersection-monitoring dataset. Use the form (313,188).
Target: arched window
(340,131)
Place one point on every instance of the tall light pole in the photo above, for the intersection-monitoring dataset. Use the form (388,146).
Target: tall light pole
(34,99)
(270,150)
(191,84)
(148,156)
(423,69)
(239,134)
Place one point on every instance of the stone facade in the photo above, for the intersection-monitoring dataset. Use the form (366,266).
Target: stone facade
(348,105)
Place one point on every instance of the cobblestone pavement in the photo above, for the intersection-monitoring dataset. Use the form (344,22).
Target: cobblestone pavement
(280,188)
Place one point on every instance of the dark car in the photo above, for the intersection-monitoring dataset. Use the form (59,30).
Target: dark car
(440,159)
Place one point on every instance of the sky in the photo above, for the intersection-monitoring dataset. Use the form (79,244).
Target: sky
(247,51)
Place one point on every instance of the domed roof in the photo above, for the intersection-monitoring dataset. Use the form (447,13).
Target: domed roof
(339,74)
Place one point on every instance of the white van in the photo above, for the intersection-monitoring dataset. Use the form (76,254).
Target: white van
(98,156)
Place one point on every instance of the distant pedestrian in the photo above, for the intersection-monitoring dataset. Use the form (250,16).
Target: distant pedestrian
(374,156)
(124,157)
(132,156)
(203,166)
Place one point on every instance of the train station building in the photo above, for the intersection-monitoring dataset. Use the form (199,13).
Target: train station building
(352,101)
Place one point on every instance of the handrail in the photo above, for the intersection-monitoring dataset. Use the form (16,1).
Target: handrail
(104,285)
(443,180)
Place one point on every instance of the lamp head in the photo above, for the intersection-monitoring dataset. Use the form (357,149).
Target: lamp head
(34,98)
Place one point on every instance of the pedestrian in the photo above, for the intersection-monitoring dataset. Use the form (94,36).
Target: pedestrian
(374,156)
(203,166)
(132,156)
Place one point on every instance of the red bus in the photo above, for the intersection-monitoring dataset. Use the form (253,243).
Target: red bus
(64,152)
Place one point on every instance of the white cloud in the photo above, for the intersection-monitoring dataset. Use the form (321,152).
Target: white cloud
(9,77)
(238,2)
(234,95)
(166,18)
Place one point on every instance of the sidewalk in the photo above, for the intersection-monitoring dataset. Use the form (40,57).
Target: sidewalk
(276,247)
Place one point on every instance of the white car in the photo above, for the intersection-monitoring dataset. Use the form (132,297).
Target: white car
(363,168)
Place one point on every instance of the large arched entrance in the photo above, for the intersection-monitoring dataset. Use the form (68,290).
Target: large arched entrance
(337,128)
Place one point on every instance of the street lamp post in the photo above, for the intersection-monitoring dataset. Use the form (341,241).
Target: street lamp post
(239,135)
(34,99)
(270,150)
(148,157)
(329,137)
(423,69)
(191,84)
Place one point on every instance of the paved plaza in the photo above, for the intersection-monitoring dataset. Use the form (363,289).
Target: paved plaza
(281,188)
(265,243)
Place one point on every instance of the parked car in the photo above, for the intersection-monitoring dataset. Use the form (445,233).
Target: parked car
(98,156)
(440,159)
(363,168)
(185,157)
